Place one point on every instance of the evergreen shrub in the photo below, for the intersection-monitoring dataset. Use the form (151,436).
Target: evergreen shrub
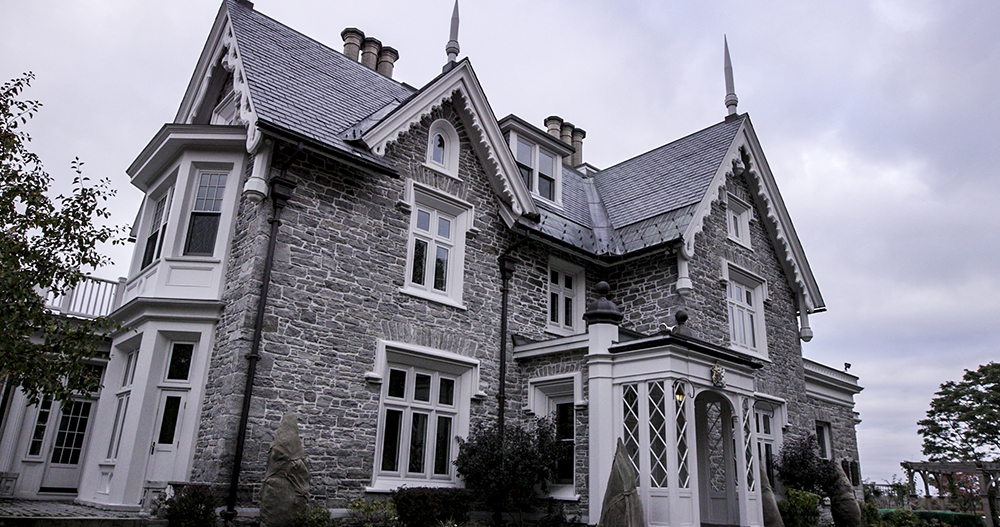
(429,507)
(191,506)
(800,509)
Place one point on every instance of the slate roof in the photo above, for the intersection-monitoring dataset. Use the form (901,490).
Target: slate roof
(642,202)
(304,87)
(667,178)
(300,85)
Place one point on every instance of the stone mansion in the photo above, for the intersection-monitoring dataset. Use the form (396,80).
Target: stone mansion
(364,252)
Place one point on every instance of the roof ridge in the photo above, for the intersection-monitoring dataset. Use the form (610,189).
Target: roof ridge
(230,3)
(741,117)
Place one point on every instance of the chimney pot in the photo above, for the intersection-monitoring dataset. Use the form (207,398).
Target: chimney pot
(553,124)
(566,132)
(353,37)
(387,58)
(578,135)
(370,48)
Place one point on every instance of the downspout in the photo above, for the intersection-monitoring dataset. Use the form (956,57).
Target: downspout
(281,191)
(507,267)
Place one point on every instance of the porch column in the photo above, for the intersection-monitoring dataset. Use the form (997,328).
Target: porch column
(602,318)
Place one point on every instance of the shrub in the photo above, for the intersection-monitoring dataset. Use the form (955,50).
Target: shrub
(800,509)
(800,467)
(958,519)
(903,518)
(191,506)
(377,513)
(870,516)
(314,515)
(555,516)
(429,507)
(504,473)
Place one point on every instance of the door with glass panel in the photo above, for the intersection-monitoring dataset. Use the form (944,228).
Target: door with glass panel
(62,469)
(166,435)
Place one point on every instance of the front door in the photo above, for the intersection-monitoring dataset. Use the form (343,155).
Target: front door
(62,473)
(716,460)
(163,450)
(645,427)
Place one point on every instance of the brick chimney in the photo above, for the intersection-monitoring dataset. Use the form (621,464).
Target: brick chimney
(553,124)
(370,48)
(578,135)
(353,37)
(387,57)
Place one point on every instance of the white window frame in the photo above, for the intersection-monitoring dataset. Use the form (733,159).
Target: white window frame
(171,349)
(767,413)
(219,213)
(461,213)
(157,219)
(544,394)
(736,277)
(439,364)
(535,156)
(738,220)
(575,294)
(452,147)
(824,439)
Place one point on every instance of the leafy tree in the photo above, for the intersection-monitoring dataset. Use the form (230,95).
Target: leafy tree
(45,245)
(799,466)
(963,422)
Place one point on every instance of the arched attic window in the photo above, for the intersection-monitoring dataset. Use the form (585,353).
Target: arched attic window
(443,147)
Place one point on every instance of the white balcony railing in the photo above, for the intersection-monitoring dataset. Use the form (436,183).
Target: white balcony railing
(91,298)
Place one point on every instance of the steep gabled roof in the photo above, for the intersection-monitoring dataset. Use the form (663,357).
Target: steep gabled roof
(668,178)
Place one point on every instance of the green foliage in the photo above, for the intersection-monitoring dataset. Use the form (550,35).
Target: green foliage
(963,422)
(191,506)
(902,518)
(958,519)
(555,516)
(800,467)
(800,509)
(45,245)
(378,513)
(313,515)
(504,473)
(870,516)
(429,507)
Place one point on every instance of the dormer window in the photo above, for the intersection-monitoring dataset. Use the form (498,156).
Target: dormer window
(442,148)
(539,169)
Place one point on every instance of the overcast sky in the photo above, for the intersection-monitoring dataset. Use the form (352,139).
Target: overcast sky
(879,119)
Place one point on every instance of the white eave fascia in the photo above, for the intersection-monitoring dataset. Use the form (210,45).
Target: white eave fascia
(173,139)
(777,221)
(489,145)
(207,58)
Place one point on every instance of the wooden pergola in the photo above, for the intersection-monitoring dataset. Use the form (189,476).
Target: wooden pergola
(989,475)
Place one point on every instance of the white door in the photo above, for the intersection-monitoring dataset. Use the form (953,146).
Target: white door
(166,436)
(62,471)
(717,471)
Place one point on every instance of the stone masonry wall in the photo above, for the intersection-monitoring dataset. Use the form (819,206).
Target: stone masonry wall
(338,268)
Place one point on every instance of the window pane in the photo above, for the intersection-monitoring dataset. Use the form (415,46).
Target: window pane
(116,424)
(753,333)
(525,175)
(40,424)
(438,154)
(180,362)
(546,164)
(419,261)
(171,409)
(442,446)
(149,252)
(118,440)
(422,388)
(211,189)
(444,228)
(397,383)
(554,277)
(750,298)
(446,395)
(568,321)
(547,187)
(423,220)
(418,440)
(201,233)
(568,282)
(390,440)
(524,153)
(554,307)
(441,269)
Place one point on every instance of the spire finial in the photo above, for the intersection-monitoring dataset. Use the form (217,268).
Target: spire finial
(452,47)
(731,99)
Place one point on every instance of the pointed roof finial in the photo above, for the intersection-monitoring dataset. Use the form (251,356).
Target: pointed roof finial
(452,48)
(731,99)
